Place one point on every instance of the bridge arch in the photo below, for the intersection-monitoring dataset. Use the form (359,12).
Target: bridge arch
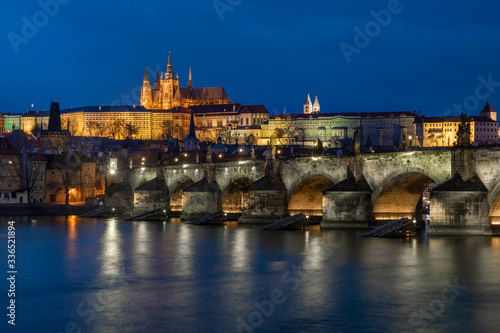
(400,194)
(232,195)
(306,194)
(494,204)
(176,194)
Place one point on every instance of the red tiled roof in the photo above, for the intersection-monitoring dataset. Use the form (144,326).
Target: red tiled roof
(488,108)
(254,109)
(349,114)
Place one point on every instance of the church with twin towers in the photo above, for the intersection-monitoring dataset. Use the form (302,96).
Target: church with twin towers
(309,107)
(167,94)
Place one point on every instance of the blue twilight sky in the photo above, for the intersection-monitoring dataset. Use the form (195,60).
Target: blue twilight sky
(428,57)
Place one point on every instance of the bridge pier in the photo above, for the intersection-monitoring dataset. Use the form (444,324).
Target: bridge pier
(200,199)
(264,201)
(347,205)
(460,207)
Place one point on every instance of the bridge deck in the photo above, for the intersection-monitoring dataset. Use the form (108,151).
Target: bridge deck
(290,222)
(403,227)
(96,212)
(215,218)
(144,215)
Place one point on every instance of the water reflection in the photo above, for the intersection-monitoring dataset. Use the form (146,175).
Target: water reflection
(71,249)
(187,278)
(111,250)
(141,245)
(240,253)
(184,251)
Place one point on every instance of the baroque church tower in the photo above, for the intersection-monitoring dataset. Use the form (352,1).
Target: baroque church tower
(167,93)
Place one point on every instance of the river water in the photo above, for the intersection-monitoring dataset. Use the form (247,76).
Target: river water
(91,275)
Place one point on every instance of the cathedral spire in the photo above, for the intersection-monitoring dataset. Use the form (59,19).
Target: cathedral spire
(170,72)
(157,82)
(146,76)
(190,81)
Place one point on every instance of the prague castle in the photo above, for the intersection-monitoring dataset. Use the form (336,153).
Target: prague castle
(167,94)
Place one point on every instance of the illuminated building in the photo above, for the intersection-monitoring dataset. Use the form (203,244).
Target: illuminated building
(336,129)
(210,121)
(442,131)
(2,123)
(167,94)
(34,119)
(12,121)
(76,173)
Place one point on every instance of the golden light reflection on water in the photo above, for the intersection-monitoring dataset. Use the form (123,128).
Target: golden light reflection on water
(314,259)
(240,256)
(111,250)
(141,248)
(231,225)
(495,241)
(184,251)
(71,249)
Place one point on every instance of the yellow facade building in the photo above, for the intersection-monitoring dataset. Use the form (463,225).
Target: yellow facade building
(442,131)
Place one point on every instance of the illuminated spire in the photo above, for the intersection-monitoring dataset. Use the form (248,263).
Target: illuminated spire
(316,106)
(308,105)
(190,81)
(157,82)
(146,76)
(170,72)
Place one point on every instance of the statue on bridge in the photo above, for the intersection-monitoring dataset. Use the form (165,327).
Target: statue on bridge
(355,146)
(318,147)
(209,154)
(464,132)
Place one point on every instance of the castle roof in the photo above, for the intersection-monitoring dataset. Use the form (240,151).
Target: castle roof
(456,119)
(218,108)
(347,114)
(487,108)
(33,113)
(201,93)
(254,109)
(106,108)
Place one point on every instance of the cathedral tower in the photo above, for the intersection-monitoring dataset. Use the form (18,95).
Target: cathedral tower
(167,93)
(146,94)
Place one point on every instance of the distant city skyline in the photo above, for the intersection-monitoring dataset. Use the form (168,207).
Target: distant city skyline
(368,56)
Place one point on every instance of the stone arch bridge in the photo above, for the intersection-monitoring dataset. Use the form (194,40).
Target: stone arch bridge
(342,192)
